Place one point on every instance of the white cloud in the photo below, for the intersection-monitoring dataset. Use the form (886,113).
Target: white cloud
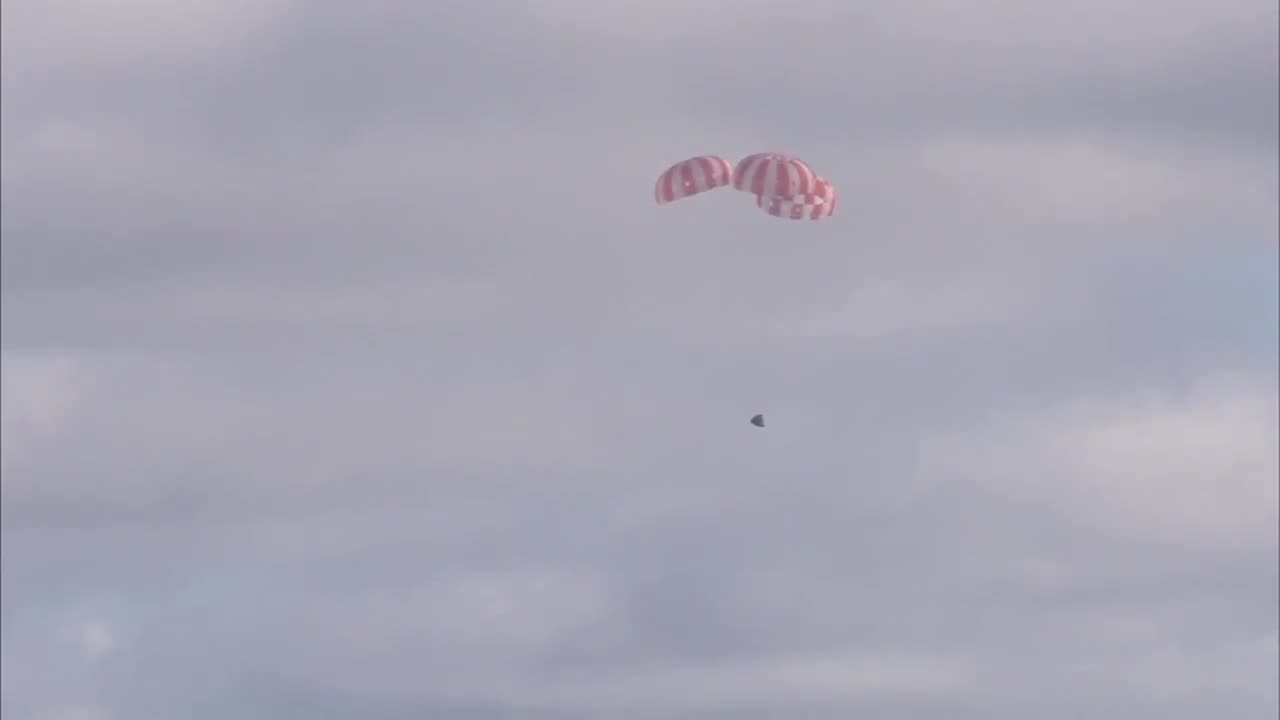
(38,392)
(1195,467)
(818,679)
(156,31)
(98,640)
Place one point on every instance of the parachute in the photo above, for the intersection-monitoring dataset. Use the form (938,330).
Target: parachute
(690,177)
(774,175)
(784,186)
(814,205)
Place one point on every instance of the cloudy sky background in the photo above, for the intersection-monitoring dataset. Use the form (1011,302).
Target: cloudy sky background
(349,370)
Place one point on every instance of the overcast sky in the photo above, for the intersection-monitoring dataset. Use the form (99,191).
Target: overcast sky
(350,370)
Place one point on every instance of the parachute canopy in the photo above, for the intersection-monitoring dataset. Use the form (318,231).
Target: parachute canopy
(774,175)
(814,205)
(690,177)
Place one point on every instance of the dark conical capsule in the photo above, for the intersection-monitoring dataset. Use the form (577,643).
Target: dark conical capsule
(758,421)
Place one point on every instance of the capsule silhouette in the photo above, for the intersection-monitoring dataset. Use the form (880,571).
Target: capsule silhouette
(758,421)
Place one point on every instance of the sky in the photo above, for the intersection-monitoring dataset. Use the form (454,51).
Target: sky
(351,371)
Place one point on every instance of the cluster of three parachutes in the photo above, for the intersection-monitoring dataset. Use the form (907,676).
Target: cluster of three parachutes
(784,186)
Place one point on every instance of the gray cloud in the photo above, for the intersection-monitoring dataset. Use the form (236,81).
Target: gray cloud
(349,370)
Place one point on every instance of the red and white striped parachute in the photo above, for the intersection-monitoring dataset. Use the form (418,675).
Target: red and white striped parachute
(774,175)
(785,186)
(814,205)
(692,176)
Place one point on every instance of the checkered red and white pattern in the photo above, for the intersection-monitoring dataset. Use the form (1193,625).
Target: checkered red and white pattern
(814,205)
